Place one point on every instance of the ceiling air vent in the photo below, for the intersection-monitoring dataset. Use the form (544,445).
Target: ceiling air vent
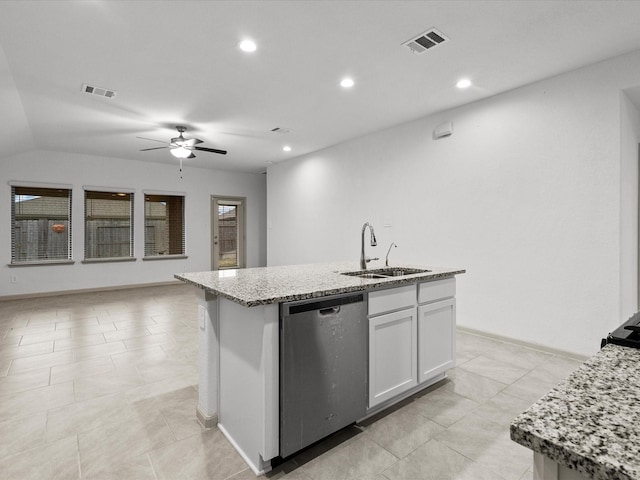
(425,41)
(281,130)
(102,92)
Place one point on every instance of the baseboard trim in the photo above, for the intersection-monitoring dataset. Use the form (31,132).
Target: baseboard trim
(256,469)
(24,296)
(522,343)
(420,389)
(206,421)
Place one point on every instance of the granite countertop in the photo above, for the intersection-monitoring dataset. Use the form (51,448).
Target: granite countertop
(261,286)
(591,421)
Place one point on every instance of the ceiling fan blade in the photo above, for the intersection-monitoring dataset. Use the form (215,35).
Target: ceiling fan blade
(153,148)
(212,150)
(152,139)
(191,156)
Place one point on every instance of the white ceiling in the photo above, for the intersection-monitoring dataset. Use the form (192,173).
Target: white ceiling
(177,63)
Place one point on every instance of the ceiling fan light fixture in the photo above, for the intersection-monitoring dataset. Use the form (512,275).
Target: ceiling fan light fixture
(181,147)
(180,152)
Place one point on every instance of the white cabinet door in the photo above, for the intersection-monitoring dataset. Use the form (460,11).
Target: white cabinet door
(392,355)
(436,338)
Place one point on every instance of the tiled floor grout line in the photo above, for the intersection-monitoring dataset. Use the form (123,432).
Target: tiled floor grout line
(80,475)
(153,469)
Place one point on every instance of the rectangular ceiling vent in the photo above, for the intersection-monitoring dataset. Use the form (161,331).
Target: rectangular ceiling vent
(426,41)
(102,92)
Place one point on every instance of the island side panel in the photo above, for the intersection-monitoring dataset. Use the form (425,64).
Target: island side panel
(248,411)
(546,469)
(271,382)
(208,359)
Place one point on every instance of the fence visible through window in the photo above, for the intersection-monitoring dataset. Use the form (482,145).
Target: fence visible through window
(228,232)
(164,232)
(228,236)
(40,224)
(108,226)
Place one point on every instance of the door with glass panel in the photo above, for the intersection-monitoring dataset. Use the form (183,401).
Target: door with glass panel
(228,232)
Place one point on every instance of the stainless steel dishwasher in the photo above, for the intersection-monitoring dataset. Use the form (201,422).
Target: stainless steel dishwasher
(323,368)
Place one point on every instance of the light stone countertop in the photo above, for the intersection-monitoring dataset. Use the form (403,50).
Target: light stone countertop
(266,285)
(591,421)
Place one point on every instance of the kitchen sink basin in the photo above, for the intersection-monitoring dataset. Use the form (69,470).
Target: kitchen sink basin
(367,275)
(387,272)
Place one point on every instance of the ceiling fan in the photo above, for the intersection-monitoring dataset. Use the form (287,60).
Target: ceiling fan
(181,147)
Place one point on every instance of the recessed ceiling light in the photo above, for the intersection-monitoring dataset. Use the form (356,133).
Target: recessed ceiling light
(248,46)
(347,82)
(286,148)
(463,83)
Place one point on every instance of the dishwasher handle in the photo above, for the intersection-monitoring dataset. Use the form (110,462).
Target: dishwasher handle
(292,308)
(325,312)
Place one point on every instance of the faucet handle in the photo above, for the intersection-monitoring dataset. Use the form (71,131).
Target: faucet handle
(368,259)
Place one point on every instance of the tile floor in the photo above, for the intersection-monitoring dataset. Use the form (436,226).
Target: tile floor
(104,386)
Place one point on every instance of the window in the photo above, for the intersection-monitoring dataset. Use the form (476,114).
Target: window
(108,225)
(163,225)
(40,224)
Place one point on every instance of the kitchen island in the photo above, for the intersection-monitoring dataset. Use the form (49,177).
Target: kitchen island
(589,425)
(239,340)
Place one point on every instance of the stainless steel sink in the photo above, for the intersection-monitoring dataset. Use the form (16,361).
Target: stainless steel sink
(387,272)
(367,275)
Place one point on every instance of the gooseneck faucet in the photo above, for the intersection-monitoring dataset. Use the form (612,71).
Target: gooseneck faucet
(386,261)
(363,259)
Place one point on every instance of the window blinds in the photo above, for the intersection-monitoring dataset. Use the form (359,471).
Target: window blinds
(108,228)
(40,224)
(164,232)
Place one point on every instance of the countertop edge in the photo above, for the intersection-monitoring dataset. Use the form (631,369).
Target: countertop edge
(545,432)
(597,470)
(375,284)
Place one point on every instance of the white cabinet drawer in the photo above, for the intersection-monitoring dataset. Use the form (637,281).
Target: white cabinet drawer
(381,301)
(436,290)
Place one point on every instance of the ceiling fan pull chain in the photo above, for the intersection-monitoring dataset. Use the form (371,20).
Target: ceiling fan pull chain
(180,169)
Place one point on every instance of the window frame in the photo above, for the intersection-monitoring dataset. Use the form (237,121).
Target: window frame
(116,192)
(157,195)
(35,187)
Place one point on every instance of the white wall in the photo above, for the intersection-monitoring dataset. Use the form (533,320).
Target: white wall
(80,170)
(526,195)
